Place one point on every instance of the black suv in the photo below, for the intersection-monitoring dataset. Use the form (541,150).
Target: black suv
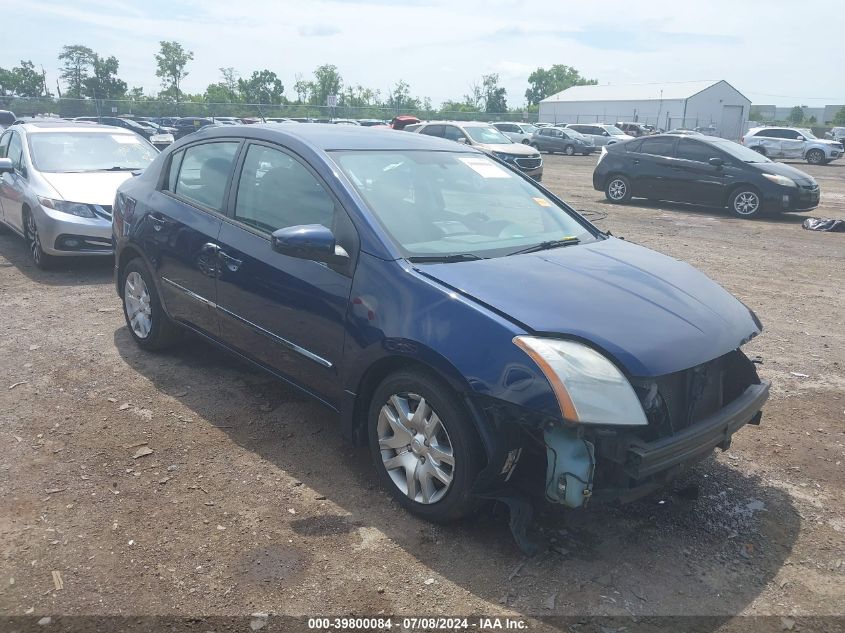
(702,170)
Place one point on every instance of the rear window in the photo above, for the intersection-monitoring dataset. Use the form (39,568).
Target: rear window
(658,146)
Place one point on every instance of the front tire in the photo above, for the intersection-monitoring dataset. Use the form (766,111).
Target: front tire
(33,242)
(569,151)
(148,325)
(815,157)
(746,203)
(424,446)
(618,189)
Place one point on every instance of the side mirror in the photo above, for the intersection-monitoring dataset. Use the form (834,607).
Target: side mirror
(6,166)
(716,162)
(462,140)
(307,241)
(605,133)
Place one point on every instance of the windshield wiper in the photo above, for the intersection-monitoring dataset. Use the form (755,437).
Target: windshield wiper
(544,246)
(445,259)
(120,168)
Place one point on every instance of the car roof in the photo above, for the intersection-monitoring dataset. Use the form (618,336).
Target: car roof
(70,126)
(462,123)
(327,136)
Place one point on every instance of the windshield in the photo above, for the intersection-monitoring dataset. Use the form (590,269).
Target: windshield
(574,134)
(740,152)
(613,130)
(444,203)
(807,132)
(486,135)
(89,151)
(529,129)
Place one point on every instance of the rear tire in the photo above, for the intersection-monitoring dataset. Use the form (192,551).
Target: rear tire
(815,157)
(148,325)
(745,203)
(416,426)
(618,189)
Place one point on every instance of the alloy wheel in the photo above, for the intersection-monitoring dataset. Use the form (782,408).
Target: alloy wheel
(415,448)
(815,157)
(617,189)
(136,299)
(33,239)
(570,150)
(746,203)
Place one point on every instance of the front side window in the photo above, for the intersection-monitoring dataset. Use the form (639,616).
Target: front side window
(431,130)
(693,150)
(4,144)
(276,191)
(437,204)
(89,151)
(452,133)
(204,173)
(15,151)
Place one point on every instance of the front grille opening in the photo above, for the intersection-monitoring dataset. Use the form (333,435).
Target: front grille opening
(675,402)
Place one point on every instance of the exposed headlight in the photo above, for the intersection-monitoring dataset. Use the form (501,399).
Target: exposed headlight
(72,208)
(780,180)
(589,388)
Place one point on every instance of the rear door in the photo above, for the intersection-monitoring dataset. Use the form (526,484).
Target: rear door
(180,231)
(284,312)
(542,139)
(770,140)
(653,171)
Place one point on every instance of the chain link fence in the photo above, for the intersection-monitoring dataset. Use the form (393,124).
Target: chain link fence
(663,120)
(70,108)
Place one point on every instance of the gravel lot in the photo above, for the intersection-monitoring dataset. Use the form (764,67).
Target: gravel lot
(250,501)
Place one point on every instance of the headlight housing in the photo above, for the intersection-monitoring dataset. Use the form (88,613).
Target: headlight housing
(508,158)
(780,180)
(73,208)
(589,388)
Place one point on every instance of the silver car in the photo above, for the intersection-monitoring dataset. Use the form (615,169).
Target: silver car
(517,132)
(58,181)
(600,133)
(792,142)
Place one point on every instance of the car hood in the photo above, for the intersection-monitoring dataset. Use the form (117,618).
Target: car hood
(802,178)
(96,187)
(517,149)
(653,314)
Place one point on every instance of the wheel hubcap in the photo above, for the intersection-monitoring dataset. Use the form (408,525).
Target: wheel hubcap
(746,203)
(136,299)
(617,189)
(33,239)
(415,448)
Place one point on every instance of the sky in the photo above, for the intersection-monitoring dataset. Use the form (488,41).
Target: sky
(440,47)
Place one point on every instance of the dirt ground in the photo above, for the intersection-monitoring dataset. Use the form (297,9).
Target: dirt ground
(251,502)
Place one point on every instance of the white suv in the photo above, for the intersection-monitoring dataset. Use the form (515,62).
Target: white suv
(789,142)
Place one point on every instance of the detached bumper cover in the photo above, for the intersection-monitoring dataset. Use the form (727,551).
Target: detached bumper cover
(644,460)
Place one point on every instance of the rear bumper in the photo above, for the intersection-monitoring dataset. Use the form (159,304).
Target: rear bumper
(628,468)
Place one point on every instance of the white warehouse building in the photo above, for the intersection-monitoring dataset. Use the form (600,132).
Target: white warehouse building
(688,104)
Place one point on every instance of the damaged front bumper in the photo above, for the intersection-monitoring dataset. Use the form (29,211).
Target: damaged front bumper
(617,465)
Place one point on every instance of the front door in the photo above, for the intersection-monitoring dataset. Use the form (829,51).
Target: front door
(694,179)
(284,312)
(180,232)
(12,185)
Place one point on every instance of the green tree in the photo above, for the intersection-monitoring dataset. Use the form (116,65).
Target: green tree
(7,82)
(104,83)
(475,97)
(76,61)
(812,120)
(327,81)
(26,81)
(230,81)
(171,61)
(136,94)
(544,83)
(796,115)
(263,86)
(495,97)
(839,118)
(458,106)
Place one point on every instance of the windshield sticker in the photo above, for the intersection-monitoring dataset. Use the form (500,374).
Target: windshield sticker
(485,168)
(126,139)
(542,202)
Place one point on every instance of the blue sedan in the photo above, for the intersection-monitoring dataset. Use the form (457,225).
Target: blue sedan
(484,339)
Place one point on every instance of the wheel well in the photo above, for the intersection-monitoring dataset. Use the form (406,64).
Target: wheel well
(736,188)
(126,255)
(377,372)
